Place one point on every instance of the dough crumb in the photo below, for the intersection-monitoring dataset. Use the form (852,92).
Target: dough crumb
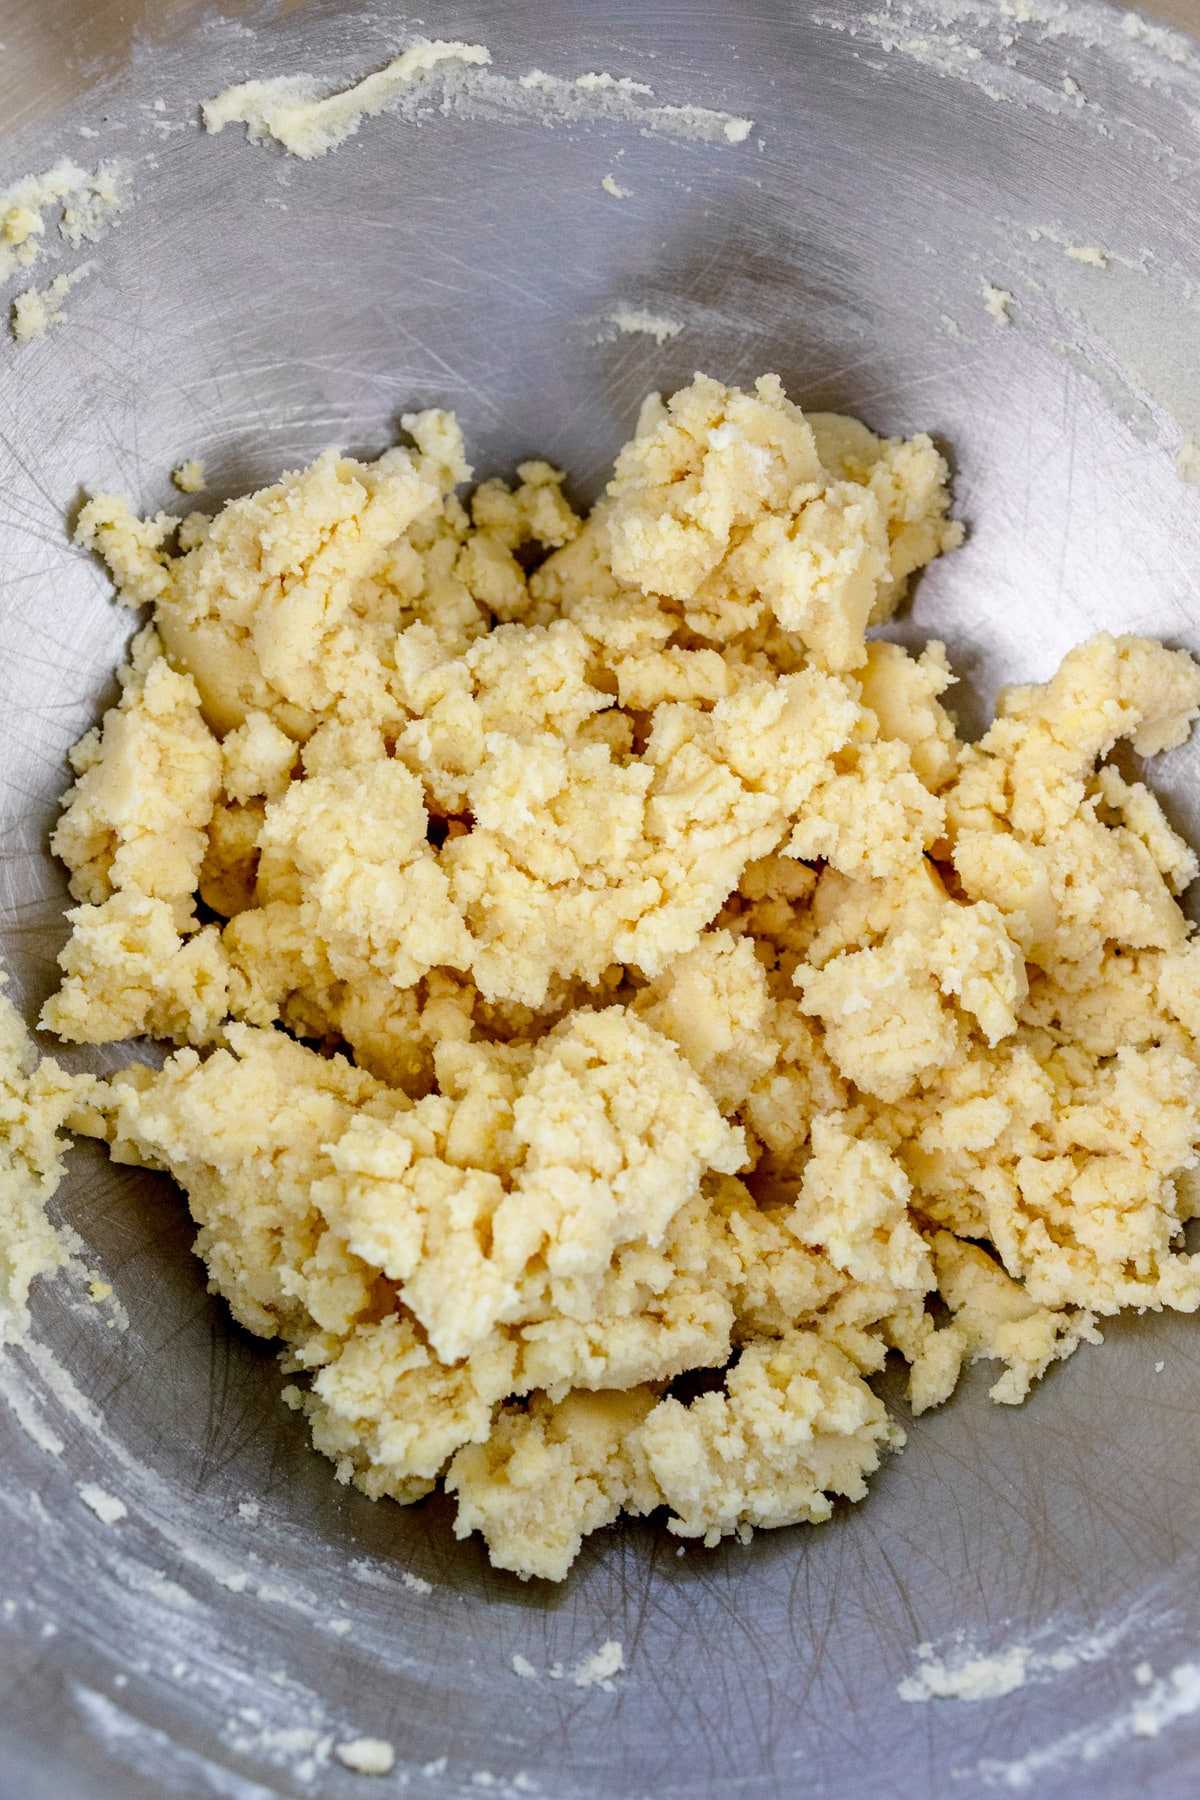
(367,1755)
(598,1669)
(998,303)
(523,1667)
(1094,254)
(1187,463)
(249,1510)
(416,1584)
(38,309)
(612,186)
(189,476)
(107,1508)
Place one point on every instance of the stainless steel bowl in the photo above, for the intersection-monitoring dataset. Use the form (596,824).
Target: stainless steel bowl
(250,309)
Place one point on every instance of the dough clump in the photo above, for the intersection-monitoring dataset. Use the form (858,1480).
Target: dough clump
(593,960)
(36,1098)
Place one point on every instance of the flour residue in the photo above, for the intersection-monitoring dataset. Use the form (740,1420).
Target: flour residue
(1158,1705)
(1119,314)
(1090,254)
(293,112)
(141,1579)
(156,1755)
(25,1411)
(375,1576)
(980,44)
(597,96)
(139,1603)
(1107,374)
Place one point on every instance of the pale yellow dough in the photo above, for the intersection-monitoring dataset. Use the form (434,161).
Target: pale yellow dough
(35,1099)
(593,959)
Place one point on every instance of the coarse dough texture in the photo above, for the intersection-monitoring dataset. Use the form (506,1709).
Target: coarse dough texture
(593,959)
(35,1100)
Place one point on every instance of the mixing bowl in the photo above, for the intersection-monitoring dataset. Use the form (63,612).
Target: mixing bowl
(247,1616)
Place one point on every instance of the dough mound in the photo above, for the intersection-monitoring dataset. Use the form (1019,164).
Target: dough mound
(593,960)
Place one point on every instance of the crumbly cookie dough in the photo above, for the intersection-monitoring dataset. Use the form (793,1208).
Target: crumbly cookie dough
(87,202)
(189,476)
(593,959)
(37,310)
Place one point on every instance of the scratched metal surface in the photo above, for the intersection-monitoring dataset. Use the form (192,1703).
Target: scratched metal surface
(250,310)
